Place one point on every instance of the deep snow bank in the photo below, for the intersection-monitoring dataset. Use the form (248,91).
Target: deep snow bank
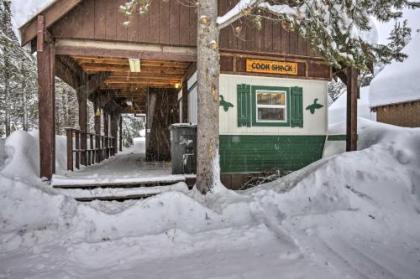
(375,187)
(29,207)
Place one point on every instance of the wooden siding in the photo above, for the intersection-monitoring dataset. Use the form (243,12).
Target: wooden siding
(167,23)
(405,115)
(171,23)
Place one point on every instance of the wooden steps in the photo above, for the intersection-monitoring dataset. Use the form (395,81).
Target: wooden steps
(85,190)
(115,198)
(133,184)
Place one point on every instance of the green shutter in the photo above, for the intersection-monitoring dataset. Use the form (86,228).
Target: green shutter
(244,105)
(296,107)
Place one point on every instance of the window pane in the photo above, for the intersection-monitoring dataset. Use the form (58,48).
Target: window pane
(271,98)
(271,114)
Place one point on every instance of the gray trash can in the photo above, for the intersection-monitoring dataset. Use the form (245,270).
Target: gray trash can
(183,148)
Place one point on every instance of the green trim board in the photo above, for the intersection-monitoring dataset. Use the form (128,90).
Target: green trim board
(256,153)
(254,90)
(338,137)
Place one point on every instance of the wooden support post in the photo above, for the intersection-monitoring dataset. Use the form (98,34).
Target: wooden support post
(115,120)
(106,122)
(103,149)
(184,102)
(69,133)
(91,151)
(352,92)
(77,148)
(97,130)
(83,116)
(106,133)
(46,100)
(121,134)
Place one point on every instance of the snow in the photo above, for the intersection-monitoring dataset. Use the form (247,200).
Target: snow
(370,36)
(24,10)
(337,111)
(398,82)
(354,215)
(128,167)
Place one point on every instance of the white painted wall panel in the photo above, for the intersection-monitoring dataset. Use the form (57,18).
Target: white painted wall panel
(192,106)
(314,124)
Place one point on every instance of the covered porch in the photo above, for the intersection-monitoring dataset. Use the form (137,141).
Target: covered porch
(127,175)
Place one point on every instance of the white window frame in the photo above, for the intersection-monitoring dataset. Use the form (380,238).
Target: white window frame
(259,91)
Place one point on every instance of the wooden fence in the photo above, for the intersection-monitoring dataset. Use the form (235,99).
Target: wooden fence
(96,149)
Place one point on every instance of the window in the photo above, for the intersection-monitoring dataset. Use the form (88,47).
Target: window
(271,106)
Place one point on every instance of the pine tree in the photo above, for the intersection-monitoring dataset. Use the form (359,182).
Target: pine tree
(335,89)
(18,108)
(400,36)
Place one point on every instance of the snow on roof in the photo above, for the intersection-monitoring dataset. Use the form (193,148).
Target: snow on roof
(399,81)
(337,110)
(24,10)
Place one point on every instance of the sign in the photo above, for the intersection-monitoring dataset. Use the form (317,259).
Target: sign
(271,67)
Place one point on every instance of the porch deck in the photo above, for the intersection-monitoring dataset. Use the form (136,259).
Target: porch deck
(125,176)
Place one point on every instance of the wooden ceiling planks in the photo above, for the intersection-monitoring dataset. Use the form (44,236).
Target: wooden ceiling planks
(130,86)
(154,73)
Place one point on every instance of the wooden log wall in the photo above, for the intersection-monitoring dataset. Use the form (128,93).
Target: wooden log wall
(405,114)
(164,114)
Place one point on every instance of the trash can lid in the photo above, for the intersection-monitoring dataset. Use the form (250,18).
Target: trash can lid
(182,125)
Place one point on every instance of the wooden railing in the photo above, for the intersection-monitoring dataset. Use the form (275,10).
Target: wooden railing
(87,148)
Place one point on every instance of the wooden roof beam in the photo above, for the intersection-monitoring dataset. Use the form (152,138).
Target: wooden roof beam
(76,47)
(52,13)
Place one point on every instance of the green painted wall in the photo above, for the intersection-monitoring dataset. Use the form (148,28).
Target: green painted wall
(249,153)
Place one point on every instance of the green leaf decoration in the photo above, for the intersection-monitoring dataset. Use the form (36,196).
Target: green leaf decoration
(312,108)
(226,105)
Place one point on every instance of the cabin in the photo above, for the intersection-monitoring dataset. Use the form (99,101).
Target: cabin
(395,91)
(273,86)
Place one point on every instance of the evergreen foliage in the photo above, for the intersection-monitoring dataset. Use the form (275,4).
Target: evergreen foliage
(18,85)
(18,106)
(400,36)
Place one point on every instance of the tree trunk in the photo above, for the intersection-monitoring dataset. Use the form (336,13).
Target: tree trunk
(163,111)
(7,103)
(208,69)
(25,106)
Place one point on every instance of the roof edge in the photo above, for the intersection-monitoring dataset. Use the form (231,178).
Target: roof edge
(52,12)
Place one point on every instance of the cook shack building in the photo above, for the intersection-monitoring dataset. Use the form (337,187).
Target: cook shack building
(273,86)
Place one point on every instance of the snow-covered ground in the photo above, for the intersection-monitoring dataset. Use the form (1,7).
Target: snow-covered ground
(127,167)
(354,215)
